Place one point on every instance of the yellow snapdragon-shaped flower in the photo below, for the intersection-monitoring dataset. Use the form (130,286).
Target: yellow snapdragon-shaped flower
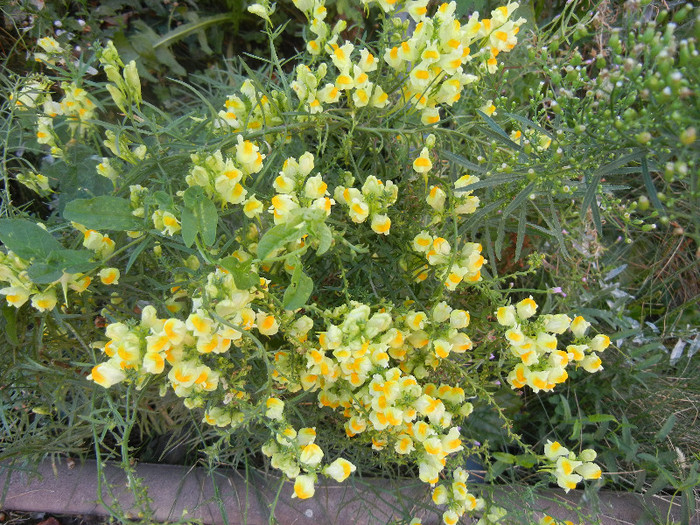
(422,164)
(107,374)
(339,470)
(304,486)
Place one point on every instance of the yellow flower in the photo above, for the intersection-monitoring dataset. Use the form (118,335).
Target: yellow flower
(422,164)
(579,326)
(107,374)
(311,455)
(381,224)
(109,275)
(267,324)
(15,295)
(304,486)
(44,301)
(339,470)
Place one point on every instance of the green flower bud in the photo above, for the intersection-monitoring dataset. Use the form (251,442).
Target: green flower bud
(117,96)
(133,82)
(643,138)
(113,75)
(110,55)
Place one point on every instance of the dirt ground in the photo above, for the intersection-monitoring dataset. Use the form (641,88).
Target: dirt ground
(9,517)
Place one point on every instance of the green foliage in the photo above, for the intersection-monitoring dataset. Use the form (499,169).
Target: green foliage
(584,158)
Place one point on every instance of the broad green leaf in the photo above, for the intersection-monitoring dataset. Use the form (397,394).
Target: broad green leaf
(299,290)
(278,236)
(189,227)
(666,428)
(204,212)
(601,418)
(163,199)
(27,239)
(504,457)
(58,262)
(323,233)
(242,273)
(10,314)
(526,460)
(103,213)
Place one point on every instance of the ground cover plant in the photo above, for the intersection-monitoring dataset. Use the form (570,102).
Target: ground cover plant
(375,253)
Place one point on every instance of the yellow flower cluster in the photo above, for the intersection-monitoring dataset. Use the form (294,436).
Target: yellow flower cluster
(294,452)
(433,58)
(222,178)
(568,468)
(535,343)
(369,366)
(352,80)
(52,50)
(452,267)
(126,87)
(548,520)
(13,270)
(32,93)
(253,110)
(296,189)
(372,202)
(77,108)
(457,497)
(102,245)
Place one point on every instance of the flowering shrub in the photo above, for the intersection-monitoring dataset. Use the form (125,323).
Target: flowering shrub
(301,240)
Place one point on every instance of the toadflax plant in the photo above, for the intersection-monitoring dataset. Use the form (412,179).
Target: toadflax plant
(294,244)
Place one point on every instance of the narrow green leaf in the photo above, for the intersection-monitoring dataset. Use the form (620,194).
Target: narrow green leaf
(478,216)
(27,239)
(556,228)
(575,433)
(207,219)
(500,237)
(103,213)
(651,189)
(611,167)
(518,200)
(185,30)
(494,126)
(522,222)
(299,290)
(589,200)
(491,181)
(528,123)
(135,254)
(458,159)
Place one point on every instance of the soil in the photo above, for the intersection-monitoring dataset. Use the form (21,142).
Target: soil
(10,517)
